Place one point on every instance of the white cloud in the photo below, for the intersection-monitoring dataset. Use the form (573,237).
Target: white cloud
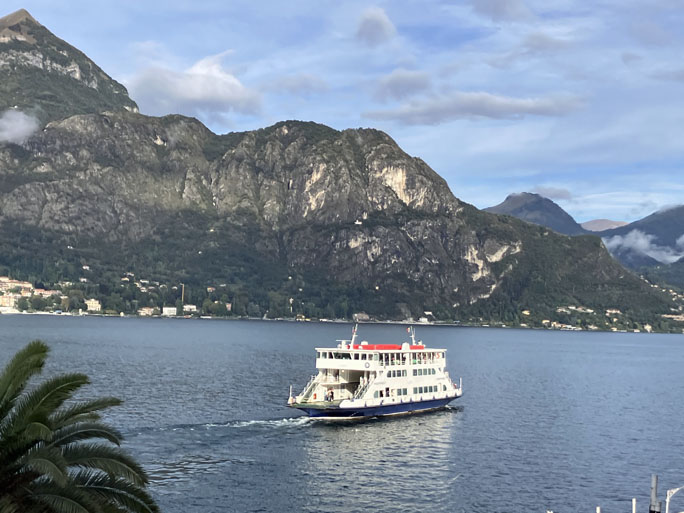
(554,193)
(503,10)
(465,105)
(680,242)
(400,84)
(641,242)
(535,44)
(303,84)
(16,127)
(205,90)
(375,27)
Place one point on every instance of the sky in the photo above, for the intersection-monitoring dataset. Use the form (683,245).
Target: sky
(581,102)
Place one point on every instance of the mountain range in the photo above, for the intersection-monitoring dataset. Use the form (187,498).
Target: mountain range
(537,209)
(653,245)
(293,214)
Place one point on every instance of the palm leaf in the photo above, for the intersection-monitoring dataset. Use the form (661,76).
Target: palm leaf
(39,403)
(86,430)
(47,462)
(64,499)
(119,492)
(26,363)
(110,460)
(82,411)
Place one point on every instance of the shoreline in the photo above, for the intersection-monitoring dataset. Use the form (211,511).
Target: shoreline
(340,321)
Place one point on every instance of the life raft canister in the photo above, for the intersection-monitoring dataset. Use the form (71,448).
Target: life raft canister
(314,396)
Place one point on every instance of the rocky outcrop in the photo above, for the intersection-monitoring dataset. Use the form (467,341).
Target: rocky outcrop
(348,206)
(47,78)
(343,220)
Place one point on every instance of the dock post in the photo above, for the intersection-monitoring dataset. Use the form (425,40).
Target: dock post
(655,505)
(634,505)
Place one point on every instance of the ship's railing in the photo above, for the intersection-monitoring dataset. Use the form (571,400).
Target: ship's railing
(308,389)
(362,389)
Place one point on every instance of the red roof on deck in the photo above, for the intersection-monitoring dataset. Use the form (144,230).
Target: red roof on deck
(386,347)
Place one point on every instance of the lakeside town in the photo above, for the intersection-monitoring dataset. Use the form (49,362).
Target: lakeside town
(72,298)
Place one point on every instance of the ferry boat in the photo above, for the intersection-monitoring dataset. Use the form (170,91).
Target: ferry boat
(358,380)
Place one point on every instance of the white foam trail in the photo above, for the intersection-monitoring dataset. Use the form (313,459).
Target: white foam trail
(287,422)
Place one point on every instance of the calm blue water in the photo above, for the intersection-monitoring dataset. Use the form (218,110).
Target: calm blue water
(549,420)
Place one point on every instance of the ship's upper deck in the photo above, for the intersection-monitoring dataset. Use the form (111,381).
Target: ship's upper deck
(365,356)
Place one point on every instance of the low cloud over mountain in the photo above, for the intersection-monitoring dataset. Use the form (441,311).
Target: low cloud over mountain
(16,127)
(643,243)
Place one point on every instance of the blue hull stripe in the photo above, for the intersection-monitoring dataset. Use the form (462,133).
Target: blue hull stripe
(376,411)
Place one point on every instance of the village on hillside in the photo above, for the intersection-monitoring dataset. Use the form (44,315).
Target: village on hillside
(147,298)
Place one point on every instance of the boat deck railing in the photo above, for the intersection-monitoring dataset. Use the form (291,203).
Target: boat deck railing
(362,389)
(308,389)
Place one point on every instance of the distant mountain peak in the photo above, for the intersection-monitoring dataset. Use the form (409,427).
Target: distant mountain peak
(15,27)
(48,78)
(17,17)
(599,225)
(537,209)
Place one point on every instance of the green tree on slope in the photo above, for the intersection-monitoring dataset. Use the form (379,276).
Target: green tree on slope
(56,455)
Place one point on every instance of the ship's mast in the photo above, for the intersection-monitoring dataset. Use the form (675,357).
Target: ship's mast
(353,335)
(412,333)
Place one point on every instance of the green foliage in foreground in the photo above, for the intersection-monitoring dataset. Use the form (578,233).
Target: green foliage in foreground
(56,455)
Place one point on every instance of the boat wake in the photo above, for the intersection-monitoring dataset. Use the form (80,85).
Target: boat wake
(288,422)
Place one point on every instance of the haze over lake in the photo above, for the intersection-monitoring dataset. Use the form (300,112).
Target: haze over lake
(549,420)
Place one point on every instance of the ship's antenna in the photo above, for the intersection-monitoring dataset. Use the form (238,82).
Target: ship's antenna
(412,332)
(353,335)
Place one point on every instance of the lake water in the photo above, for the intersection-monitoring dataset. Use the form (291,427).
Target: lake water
(549,420)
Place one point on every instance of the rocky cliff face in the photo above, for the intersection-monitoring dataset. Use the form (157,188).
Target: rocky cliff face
(298,209)
(349,208)
(46,77)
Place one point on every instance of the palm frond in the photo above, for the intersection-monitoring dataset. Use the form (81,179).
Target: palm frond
(46,462)
(64,499)
(42,401)
(36,430)
(82,411)
(26,363)
(84,431)
(113,461)
(129,497)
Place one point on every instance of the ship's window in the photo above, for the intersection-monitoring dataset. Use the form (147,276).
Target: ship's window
(363,356)
(405,391)
(420,372)
(324,355)
(403,372)
(415,390)
(434,371)
(415,372)
(444,387)
(420,390)
(376,356)
(375,394)
(356,356)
